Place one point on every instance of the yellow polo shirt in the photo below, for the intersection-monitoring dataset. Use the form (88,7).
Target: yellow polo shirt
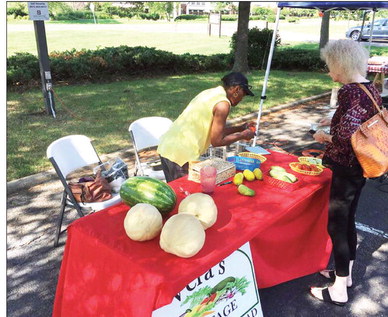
(189,135)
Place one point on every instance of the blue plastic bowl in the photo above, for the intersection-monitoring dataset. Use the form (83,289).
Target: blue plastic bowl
(244,163)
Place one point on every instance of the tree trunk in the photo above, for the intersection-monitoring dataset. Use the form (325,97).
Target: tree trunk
(324,29)
(241,53)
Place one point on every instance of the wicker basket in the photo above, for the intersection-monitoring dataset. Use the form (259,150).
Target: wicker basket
(259,157)
(294,167)
(225,169)
(282,184)
(311,160)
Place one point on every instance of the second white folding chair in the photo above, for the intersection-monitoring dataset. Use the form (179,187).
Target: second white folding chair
(145,133)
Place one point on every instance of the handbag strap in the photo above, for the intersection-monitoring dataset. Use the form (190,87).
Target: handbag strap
(370,96)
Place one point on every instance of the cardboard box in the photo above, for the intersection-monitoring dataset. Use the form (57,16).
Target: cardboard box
(225,169)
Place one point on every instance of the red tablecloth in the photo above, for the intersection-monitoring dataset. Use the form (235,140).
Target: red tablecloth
(104,273)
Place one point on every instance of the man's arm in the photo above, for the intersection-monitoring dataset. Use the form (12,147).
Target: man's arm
(219,133)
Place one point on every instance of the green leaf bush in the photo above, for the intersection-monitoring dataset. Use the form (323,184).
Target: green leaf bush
(259,42)
(22,68)
(191,17)
(111,62)
(297,59)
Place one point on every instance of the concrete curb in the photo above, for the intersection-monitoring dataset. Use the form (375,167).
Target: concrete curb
(253,115)
(40,178)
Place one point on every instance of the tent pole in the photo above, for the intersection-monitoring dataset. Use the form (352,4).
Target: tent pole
(371,29)
(362,25)
(263,96)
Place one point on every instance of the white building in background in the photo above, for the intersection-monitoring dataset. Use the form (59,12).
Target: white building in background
(201,7)
(205,7)
(197,7)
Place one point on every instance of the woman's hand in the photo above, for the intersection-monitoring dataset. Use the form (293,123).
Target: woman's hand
(322,137)
(324,122)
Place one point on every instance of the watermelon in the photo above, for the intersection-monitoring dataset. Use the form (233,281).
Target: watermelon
(144,189)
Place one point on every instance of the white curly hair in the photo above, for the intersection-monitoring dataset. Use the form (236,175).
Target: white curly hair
(346,56)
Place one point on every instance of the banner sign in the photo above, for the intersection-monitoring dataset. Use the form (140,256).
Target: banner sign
(227,290)
(38,11)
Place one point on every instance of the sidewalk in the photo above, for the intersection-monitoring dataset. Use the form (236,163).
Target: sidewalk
(33,204)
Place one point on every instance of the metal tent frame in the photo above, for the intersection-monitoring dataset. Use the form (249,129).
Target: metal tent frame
(319,5)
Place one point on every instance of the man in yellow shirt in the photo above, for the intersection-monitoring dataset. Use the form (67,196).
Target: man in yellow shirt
(203,122)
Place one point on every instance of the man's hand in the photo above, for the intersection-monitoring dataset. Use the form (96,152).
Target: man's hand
(248,134)
(249,125)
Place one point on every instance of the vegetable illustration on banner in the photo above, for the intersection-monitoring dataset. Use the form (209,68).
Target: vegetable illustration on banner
(205,299)
(228,289)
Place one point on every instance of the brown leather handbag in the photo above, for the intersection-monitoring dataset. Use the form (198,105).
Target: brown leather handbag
(370,142)
(90,190)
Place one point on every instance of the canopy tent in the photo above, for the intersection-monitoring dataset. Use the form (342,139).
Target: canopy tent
(319,5)
(334,5)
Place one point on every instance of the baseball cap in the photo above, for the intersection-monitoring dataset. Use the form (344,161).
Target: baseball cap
(237,79)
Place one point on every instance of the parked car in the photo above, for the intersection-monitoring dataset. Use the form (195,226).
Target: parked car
(380,31)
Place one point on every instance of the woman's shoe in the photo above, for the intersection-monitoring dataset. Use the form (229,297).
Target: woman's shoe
(331,277)
(327,298)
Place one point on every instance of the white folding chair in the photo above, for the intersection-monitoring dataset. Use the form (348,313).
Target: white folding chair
(68,154)
(145,133)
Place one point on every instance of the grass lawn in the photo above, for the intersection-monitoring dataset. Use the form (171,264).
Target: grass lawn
(176,37)
(62,40)
(104,111)
(62,37)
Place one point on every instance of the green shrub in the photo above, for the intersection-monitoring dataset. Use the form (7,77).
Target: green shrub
(18,10)
(191,17)
(149,16)
(73,15)
(307,13)
(293,20)
(22,68)
(111,62)
(229,17)
(271,18)
(297,59)
(261,11)
(259,42)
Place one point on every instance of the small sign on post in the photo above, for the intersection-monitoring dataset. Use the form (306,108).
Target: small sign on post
(39,12)
(214,18)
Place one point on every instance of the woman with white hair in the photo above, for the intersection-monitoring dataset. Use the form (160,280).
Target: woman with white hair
(347,63)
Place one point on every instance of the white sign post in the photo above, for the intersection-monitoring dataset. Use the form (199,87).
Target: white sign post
(38,11)
(227,290)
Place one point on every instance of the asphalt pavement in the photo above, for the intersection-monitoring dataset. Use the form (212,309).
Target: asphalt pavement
(33,263)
